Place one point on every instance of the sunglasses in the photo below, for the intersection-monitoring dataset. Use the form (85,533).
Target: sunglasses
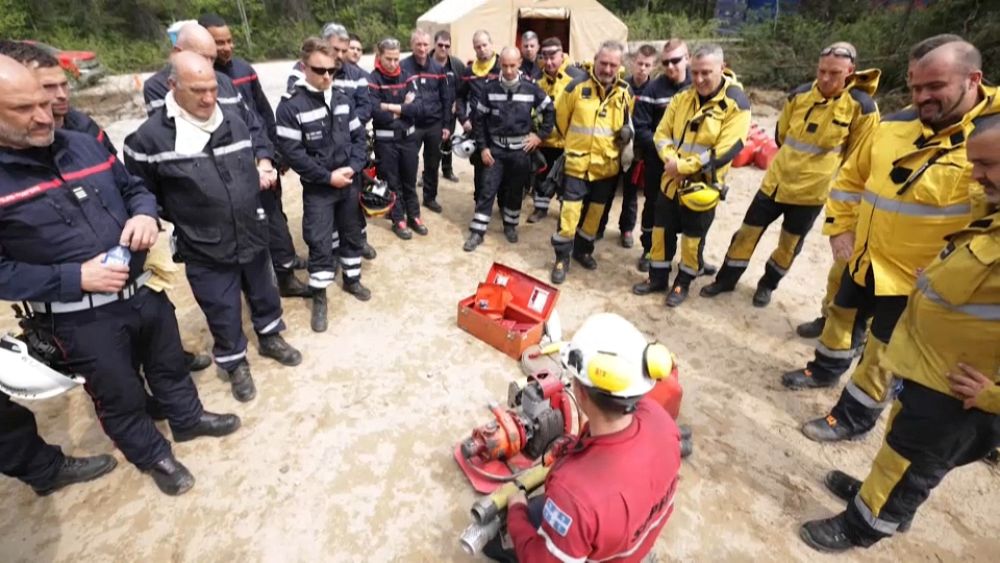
(837,52)
(674,61)
(444,45)
(321,71)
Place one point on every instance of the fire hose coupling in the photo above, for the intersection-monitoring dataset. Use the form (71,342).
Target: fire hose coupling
(489,507)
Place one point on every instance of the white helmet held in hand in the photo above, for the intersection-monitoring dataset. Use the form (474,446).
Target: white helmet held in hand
(24,377)
(463,147)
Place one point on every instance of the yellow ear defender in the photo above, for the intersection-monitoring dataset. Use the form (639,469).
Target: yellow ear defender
(657,361)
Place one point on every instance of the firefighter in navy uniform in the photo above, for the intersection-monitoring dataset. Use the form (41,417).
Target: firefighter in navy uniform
(437,98)
(397,107)
(197,159)
(944,349)
(505,138)
(632,179)
(891,190)
(609,495)
(529,56)
(700,134)
(593,113)
(244,78)
(484,68)
(557,72)
(822,123)
(324,143)
(453,70)
(650,106)
(65,203)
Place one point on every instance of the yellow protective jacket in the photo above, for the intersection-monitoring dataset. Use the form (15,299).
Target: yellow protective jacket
(554,86)
(816,134)
(954,315)
(703,136)
(904,190)
(589,118)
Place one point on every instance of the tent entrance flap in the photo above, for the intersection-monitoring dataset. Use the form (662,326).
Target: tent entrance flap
(545,22)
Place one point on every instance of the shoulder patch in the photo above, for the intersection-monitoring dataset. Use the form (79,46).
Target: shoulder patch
(864,100)
(576,80)
(556,518)
(800,89)
(737,94)
(905,114)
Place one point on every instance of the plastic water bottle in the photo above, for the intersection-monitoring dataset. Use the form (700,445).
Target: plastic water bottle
(118,255)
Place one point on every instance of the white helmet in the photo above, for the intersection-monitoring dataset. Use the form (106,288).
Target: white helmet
(609,354)
(24,377)
(463,147)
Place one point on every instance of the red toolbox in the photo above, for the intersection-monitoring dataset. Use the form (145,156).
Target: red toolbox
(508,310)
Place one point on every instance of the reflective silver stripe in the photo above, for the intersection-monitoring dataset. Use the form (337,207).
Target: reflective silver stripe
(352,272)
(555,551)
(883,526)
(482,108)
(541,203)
(776,267)
(355,124)
(557,238)
(385,134)
(511,215)
(836,354)
(841,195)
(654,101)
(160,157)
(704,157)
(92,300)
(736,263)
(695,148)
(230,101)
(660,145)
(312,115)
(231,358)
(810,148)
(859,395)
(351,261)
(984,311)
(523,98)
(247,144)
(916,209)
(289,133)
(321,279)
(341,109)
(478,227)
(585,236)
(481,217)
(664,265)
(592,131)
(153,104)
(271,326)
(546,102)
(336,235)
(688,271)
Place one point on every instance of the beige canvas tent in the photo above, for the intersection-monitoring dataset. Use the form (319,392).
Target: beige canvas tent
(581,24)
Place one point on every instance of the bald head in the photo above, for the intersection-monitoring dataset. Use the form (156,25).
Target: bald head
(948,46)
(196,39)
(25,108)
(510,63)
(192,80)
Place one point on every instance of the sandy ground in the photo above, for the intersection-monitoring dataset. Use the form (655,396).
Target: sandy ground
(348,456)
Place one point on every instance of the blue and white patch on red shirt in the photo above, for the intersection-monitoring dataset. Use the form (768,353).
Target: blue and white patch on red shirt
(556,518)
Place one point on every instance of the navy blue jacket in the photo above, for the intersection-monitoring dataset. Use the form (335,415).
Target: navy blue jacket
(350,79)
(82,123)
(316,138)
(508,113)
(470,88)
(393,90)
(431,82)
(245,80)
(650,105)
(212,197)
(59,207)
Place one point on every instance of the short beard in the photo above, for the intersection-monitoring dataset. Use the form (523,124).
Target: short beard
(20,140)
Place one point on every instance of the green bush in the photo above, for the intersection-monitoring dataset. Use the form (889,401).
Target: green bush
(655,26)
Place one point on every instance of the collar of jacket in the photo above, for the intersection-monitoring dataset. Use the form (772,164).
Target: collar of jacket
(28,157)
(956,133)
(864,80)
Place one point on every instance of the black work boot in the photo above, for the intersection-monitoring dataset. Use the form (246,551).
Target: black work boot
(626,240)
(360,292)
(715,288)
(805,378)
(559,270)
(242,383)
(762,297)
(708,270)
(417,225)
(510,231)
(537,215)
(210,424)
(196,362)
(290,286)
(171,476)
(300,263)
(318,320)
(401,230)
(828,429)
(828,535)
(368,252)
(585,260)
(678,294)
(78,470)
(474,240)
(649,286)
(449,175)
(643,264)
(842,485)
(811,329)
(275,347)
(433,205)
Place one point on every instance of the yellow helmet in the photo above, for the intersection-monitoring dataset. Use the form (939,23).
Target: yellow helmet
(609,354)
(699,196)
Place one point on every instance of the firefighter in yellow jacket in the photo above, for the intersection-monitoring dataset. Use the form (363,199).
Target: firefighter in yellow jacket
(945,350)
(593,115)
(907,187)
(703,129)
(822,123)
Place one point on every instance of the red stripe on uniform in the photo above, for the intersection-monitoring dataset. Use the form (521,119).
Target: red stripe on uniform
(37,189)
(100,136)
(244,79)
(388,86)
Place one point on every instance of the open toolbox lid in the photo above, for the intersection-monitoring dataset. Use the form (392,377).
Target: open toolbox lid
(531,295)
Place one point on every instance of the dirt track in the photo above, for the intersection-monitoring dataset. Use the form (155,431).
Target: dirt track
(348,456)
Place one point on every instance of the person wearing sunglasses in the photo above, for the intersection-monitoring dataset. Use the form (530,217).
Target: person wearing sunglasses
(323,141)
(822,123)
(453,70)
(650,105)
(890,206)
